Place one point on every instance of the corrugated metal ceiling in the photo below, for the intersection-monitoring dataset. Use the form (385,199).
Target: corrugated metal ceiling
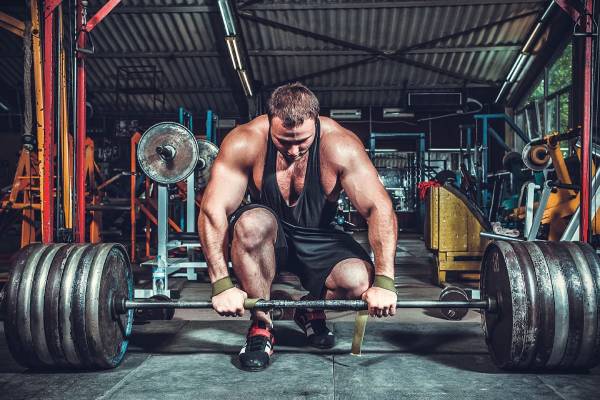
(443,44)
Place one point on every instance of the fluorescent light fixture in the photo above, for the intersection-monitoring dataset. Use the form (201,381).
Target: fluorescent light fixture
(345,114)
(514,68)
(532,37)
(501,93)
(234,52)
(245,82)
(397,113)
(3,107)
(227,17)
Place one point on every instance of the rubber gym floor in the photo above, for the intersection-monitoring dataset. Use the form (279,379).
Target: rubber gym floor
(414,355)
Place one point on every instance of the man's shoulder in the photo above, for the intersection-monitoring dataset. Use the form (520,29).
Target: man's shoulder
(339,143)
(248,138)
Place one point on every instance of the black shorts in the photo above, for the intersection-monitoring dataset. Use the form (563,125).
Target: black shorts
(308,253)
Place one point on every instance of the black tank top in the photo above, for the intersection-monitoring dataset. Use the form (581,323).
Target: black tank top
(312,210)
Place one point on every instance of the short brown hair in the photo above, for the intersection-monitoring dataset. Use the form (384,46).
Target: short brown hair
(293,103)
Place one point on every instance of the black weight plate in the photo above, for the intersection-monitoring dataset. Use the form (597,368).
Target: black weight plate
(561,305)
(27,255)
(38,332)
(110,279)
(504,329)
(78,305)
(545,338)
(575,298)
(532,329)
(453,293)
(591,357)
(65,306)
(25,306)
(52,302)
(154,314)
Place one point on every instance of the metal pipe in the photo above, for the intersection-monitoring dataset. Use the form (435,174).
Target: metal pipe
(81,128)
(487,304)
(490,235)
(586,142)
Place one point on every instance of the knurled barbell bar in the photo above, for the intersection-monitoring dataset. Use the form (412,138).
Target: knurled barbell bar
(124,305)
(72,305)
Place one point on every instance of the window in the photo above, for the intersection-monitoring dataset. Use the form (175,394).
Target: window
(551,115)
(547,108)
(564,112)
(559,76)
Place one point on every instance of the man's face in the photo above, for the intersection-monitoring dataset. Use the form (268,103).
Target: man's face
(292,143)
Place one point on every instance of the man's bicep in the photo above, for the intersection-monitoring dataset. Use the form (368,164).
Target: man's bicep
(361,183)
(226,187)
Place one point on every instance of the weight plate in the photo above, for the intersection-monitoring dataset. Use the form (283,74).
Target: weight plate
(173,136)
(501,278)
(575,302)
(52,303)
(532,328)
(38,332)
(26,256)
(588,305)
(207,152)
(545,339)
(78,305)
(110,279)
(67,289)
(594,265)
(25,306)
(154,314)
(453,293)
(561,305)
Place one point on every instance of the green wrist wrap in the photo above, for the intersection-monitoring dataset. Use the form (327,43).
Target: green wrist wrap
(384,282)
(221,285)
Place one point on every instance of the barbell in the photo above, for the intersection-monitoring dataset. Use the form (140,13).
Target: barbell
(72,305)
(168,153)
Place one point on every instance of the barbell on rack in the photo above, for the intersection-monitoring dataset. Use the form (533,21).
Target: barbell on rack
(168,153)
(72,305)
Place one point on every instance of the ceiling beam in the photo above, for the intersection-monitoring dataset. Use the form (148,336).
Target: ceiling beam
(303,53)
(432,42)
(179,9)
(381,4)
(169,90)
(208,90)
(379,53)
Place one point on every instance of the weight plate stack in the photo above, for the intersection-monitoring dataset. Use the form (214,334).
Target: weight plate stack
(547,295)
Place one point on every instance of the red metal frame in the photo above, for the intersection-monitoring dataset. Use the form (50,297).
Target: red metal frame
(81,112)
(48,186)
(101,14)
(81,133)
(586,144)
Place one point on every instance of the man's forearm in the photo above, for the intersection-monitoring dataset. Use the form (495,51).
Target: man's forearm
(382,238)
(213,236)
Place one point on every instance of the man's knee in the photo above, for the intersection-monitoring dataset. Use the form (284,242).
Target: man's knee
(254,229)
(353,276)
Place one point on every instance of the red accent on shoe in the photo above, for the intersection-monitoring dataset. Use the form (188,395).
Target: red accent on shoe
(258,331)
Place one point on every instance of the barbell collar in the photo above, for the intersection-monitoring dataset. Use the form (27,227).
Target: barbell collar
(335,305)
(166,152)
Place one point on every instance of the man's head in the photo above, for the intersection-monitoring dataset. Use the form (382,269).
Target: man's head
(293,110)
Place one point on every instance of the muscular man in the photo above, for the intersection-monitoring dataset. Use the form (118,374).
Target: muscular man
(294,163)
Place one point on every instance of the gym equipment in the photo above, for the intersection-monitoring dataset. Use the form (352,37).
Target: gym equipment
(167,152)
(452,226)
(453,293)
(207,152)
(72,305)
